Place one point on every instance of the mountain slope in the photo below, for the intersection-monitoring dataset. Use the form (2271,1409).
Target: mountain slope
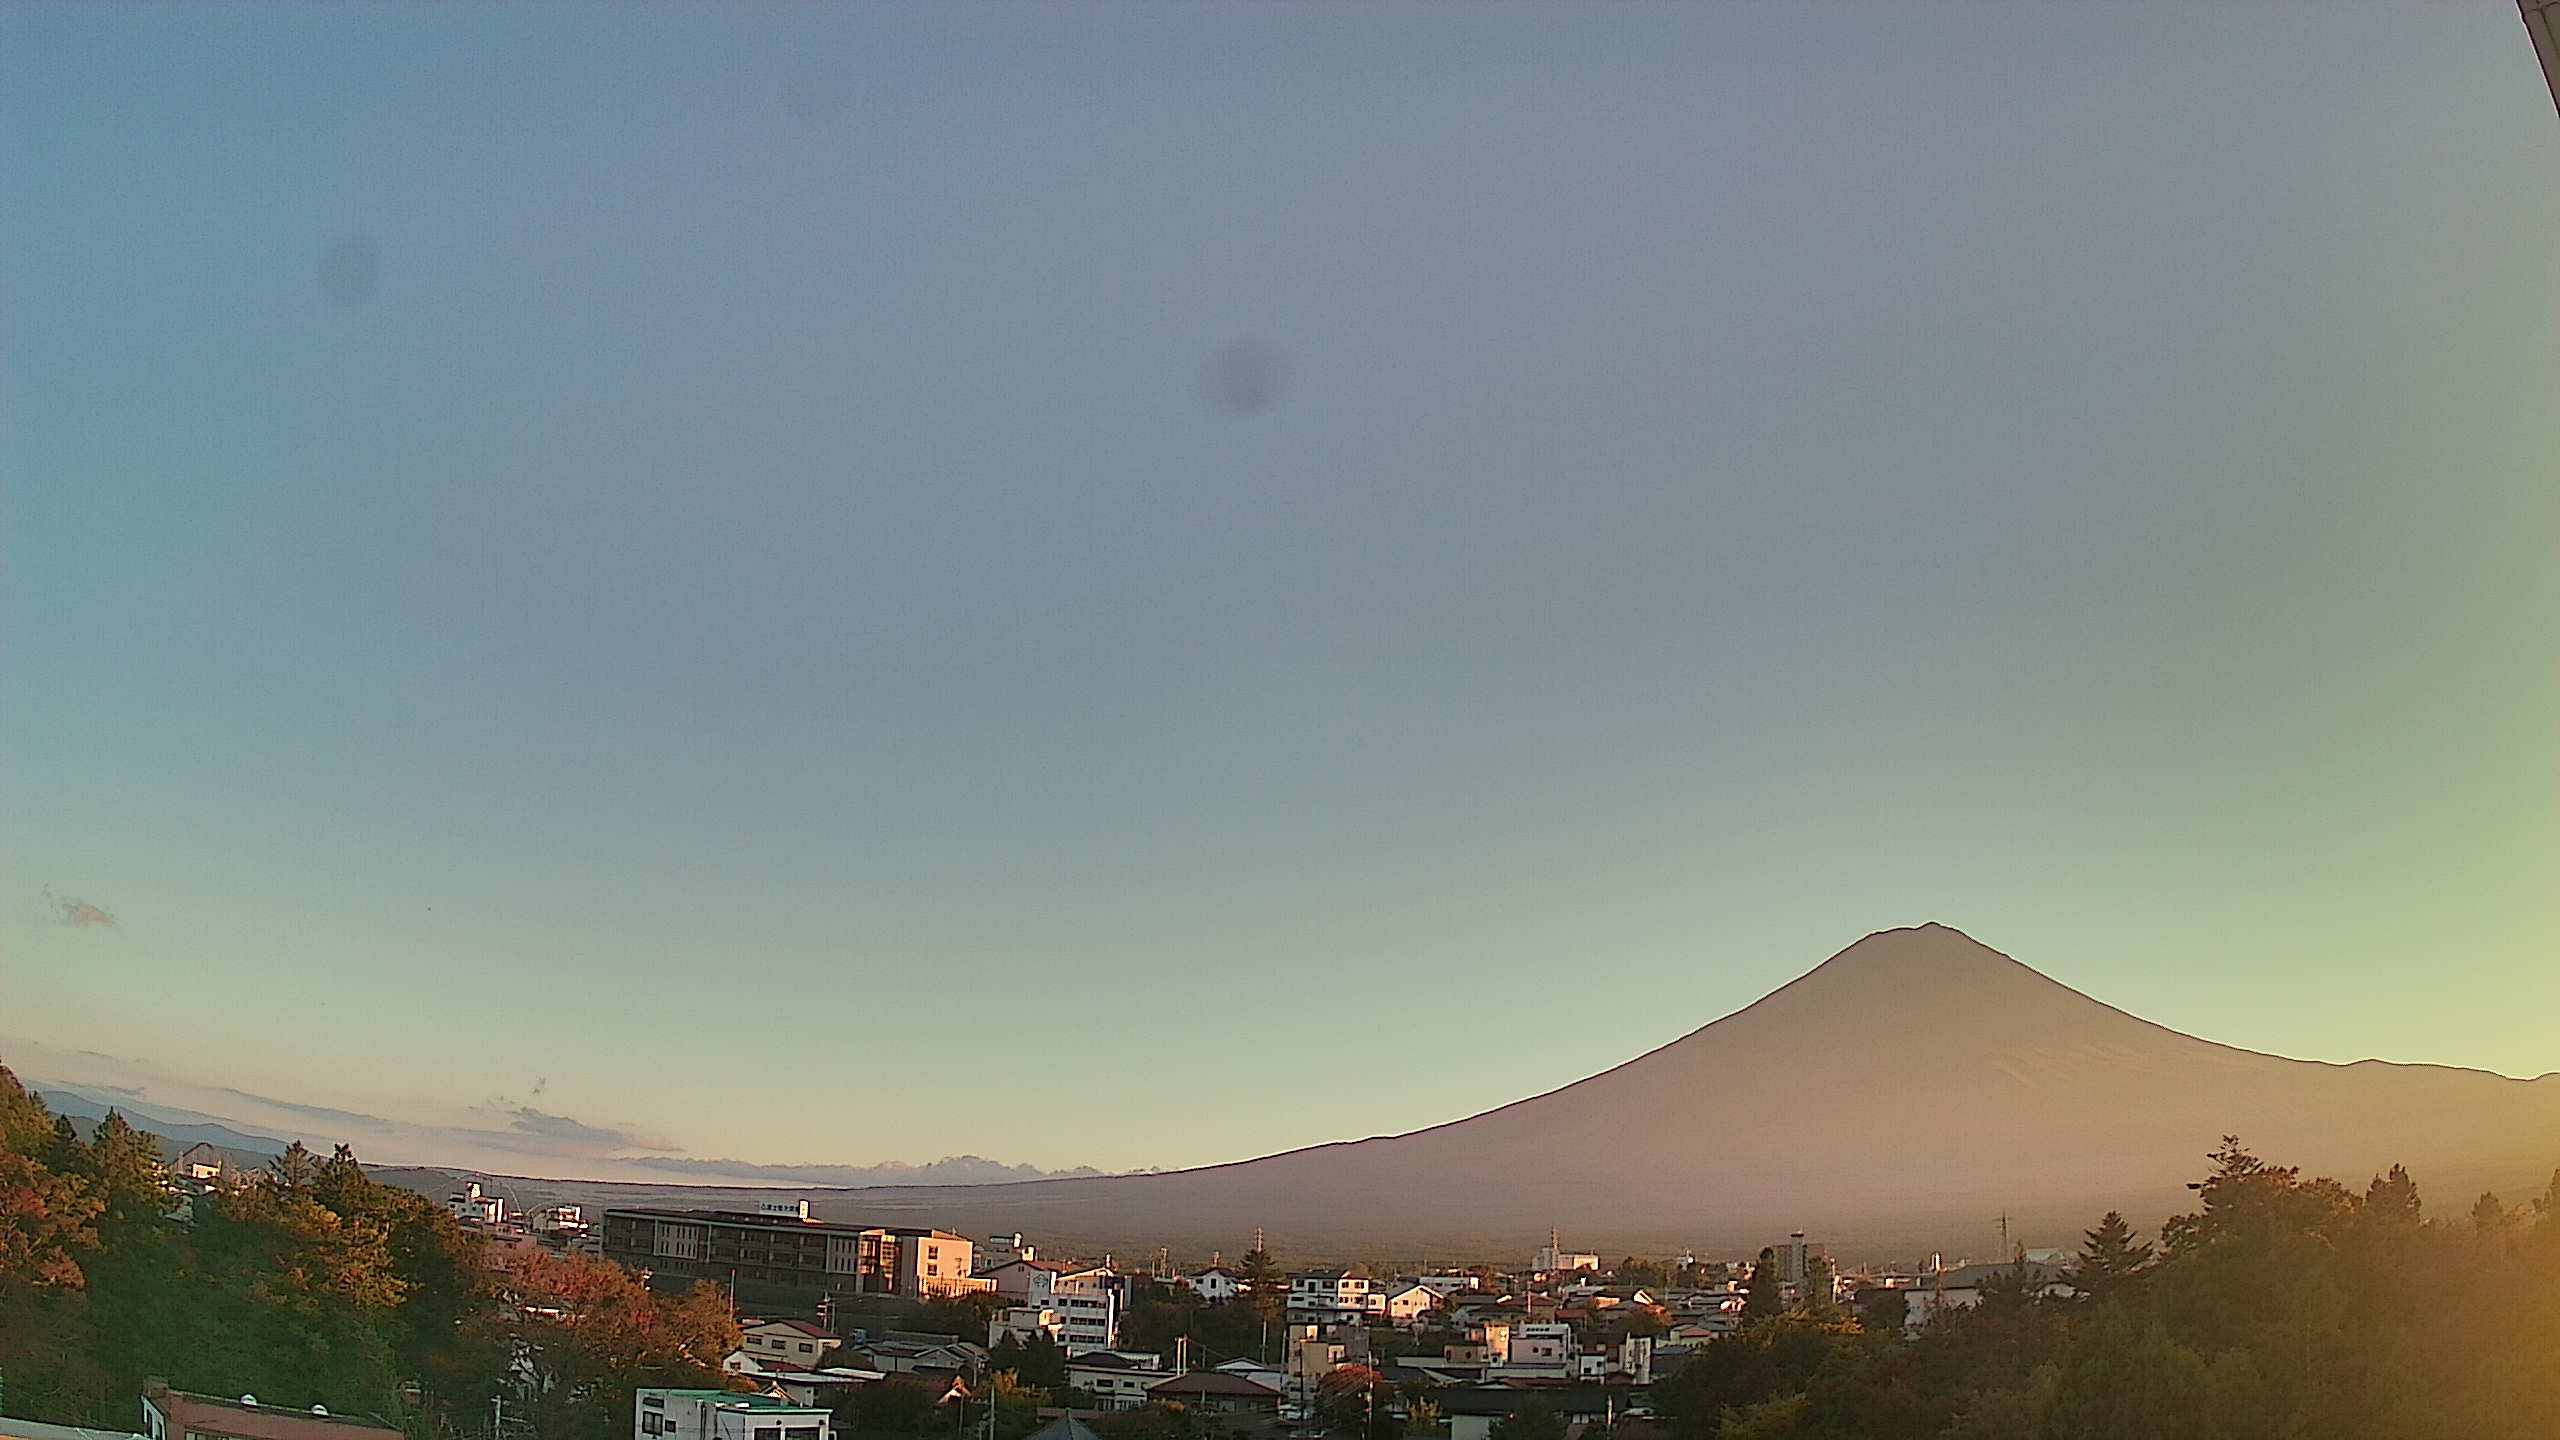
(1897,1097)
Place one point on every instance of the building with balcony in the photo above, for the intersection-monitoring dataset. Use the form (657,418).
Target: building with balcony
(780,1255)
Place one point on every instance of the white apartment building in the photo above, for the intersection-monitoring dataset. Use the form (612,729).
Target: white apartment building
(1085,1301)
(1330,1297)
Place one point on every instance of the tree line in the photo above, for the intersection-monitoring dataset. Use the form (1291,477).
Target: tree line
(2281,1308)
(309,1284)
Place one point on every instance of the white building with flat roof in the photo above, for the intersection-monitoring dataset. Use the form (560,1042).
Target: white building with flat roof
(724,1415)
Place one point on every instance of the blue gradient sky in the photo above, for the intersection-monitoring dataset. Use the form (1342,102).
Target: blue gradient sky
(743,625)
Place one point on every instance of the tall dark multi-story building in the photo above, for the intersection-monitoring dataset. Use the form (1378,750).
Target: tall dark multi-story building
(780,1253)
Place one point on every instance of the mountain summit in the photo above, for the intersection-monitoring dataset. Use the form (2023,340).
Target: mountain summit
(1893,1100)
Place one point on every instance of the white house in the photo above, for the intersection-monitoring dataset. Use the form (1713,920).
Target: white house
(1536,1348)
(788,1344)
(1216,1285)
(475,1206)
(1026,1323)
(1450,1284)
(1119,1380)
(721,1415)
(1268,1376)
(1403,1304)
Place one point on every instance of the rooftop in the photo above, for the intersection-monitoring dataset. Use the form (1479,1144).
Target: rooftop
(733,1399)
(1212,1382)
(38,1430)
(249,1420)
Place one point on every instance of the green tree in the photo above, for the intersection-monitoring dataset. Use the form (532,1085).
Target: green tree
(895,1406)
(1632,1271)
(1770,1419)
(123,1165)
(2391,1201)
(2490,1218)
(2109,1256)
(1262,1283)
(1819,1299)
(1016,1403)
(1766,1292)
(1534,1420)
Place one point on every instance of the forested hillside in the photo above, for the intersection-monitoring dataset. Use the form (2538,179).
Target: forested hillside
(312,1285)
(2281,1307)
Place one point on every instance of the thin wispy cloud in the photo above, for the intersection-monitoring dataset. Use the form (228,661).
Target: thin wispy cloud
(570,1131)
(323,1113)
(77,913)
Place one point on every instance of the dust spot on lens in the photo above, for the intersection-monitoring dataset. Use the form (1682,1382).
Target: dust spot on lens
(349,271)
(1245,376)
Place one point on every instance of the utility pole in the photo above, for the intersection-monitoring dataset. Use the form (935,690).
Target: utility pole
(2542,22)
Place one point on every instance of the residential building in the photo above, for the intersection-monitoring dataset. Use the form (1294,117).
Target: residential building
(1216,1392)
(779,1254)
(997,1249)
(926,1357)
(1450,1284)
(201,1161)
(1961,1289)
(180,1415)
(724,1415)
(1216,1285)
(1087,1300)
(560,1220)
(1329,1297)
(822,1389)
(1065,1427)
(1535,1348)
(1118,1380)
(1474,1410)
(1268,1376)
(1403,1303)
(39,1430)
(787,1344)
(1026,1323)
(475,1206)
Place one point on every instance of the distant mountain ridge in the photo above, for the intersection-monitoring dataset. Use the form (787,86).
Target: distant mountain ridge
(1901,1094)
(175,1136)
